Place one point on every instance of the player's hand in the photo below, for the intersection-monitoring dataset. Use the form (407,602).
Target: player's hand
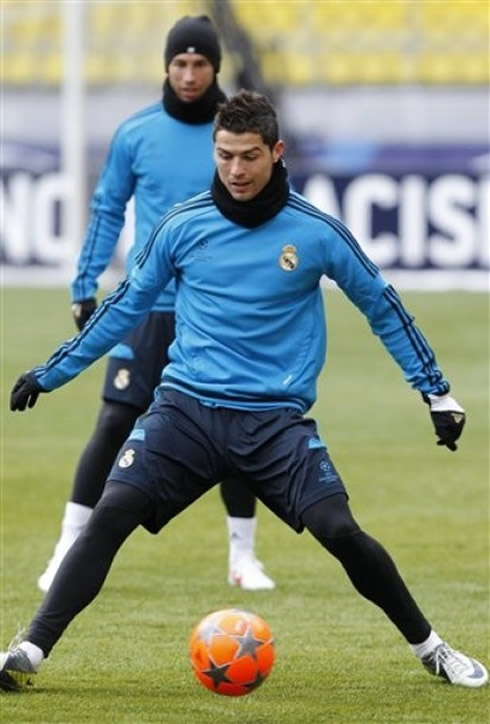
(82,311)
(25,392)
(448,418)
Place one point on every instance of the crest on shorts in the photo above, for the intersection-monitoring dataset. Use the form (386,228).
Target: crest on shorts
(127,459)
(122,379)
(288,258)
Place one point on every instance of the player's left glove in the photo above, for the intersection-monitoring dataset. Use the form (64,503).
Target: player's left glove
(448,418)
(25,392)
(82,311)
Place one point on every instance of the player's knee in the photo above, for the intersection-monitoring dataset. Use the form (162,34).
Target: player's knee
(330,520)
(110,524)
(116,421)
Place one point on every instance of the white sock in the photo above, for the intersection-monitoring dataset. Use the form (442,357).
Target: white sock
(427,646)
(74,521)
(35,654)
(76,515)
(241,536)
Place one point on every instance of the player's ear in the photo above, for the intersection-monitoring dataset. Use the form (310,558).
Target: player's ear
(277,151)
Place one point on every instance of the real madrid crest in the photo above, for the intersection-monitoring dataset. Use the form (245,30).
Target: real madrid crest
(127,459)
(122,379)
(288,259)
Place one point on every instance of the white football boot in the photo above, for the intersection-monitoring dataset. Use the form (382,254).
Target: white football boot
(455,667)
(248,573)
(17,669)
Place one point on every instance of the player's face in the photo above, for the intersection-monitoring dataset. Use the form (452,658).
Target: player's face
(190,75)
(244,162)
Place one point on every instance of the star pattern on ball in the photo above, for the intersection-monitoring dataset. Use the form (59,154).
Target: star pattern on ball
(232,652)
(217,673)
(248,644)
(256,682)
(208,631)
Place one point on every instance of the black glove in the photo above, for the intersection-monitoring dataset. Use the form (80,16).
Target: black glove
(82,311)
(448,418)
(25,392)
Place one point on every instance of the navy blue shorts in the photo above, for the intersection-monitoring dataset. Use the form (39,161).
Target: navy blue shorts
(135,365)
(180,448)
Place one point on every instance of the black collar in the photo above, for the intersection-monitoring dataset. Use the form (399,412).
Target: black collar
(197,112)
(257,211)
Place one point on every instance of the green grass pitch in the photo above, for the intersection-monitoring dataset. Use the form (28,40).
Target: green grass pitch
(125,659)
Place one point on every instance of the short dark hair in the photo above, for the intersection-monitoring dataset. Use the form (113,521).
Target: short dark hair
(248,112)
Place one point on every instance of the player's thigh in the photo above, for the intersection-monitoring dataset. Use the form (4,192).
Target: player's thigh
(169,457)
(295,470)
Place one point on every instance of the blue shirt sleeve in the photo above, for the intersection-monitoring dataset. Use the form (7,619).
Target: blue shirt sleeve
(108,206)
(120,312)
(360,279)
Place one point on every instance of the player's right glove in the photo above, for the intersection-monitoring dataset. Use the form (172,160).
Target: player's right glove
(25,392)
(82,311)
(448,418)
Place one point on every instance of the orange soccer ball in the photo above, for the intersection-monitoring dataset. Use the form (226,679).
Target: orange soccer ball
(232,652)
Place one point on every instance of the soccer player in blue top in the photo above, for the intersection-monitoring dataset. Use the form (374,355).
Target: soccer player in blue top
(248,257)
(160,156)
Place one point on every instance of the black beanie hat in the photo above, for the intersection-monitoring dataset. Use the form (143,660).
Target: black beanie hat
(193,35)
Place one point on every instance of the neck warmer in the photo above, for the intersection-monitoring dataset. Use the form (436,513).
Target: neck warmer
(258,210)
(200,111)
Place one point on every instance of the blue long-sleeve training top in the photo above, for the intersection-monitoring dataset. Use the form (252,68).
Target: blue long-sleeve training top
(161,162)
(250,325)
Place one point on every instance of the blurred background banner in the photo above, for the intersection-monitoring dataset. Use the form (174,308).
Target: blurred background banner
(384,107)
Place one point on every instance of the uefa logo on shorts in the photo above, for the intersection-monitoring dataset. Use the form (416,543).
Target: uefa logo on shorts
(328,474)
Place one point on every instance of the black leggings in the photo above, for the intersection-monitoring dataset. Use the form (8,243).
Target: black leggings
(84,569)
(123,508)
(369,567)
(115,422)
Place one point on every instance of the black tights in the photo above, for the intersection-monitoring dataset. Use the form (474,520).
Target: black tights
(114,424)
(123,508)
(82,572)
(369,567)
